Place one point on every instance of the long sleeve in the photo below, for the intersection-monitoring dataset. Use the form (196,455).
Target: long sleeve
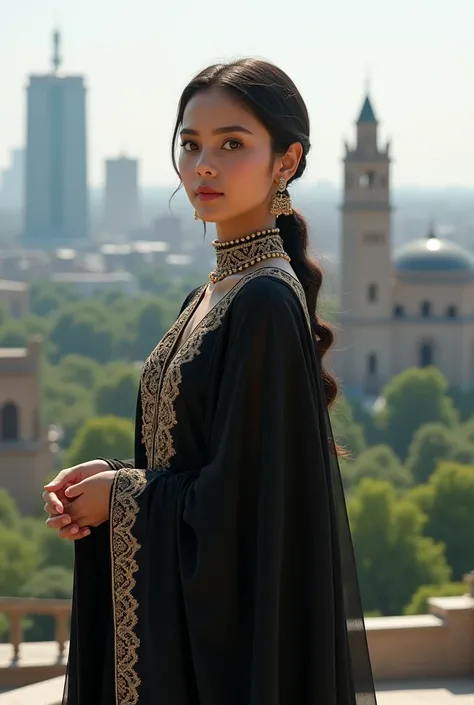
(253,604)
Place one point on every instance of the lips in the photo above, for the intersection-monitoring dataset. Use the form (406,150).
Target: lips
(204,193)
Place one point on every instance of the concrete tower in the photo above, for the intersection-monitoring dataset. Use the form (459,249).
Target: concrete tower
(56,157)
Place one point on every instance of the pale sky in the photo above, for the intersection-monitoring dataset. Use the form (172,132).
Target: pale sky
(138,55)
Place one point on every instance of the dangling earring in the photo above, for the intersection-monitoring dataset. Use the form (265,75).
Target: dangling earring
(196,216)
(281,201)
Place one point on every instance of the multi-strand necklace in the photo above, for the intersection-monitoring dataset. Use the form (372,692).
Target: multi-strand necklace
(237,255)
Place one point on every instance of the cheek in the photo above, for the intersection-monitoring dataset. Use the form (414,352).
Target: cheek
(186,167)
(250,171)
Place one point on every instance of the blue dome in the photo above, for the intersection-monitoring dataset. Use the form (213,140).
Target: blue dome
(432,254)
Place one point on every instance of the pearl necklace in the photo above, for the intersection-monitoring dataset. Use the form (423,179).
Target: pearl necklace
(237,255)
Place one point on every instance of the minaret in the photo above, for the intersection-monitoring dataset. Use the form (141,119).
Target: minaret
(366,269)
(365,242)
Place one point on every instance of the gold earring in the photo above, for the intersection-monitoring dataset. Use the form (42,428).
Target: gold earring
(196,215)
(281,201)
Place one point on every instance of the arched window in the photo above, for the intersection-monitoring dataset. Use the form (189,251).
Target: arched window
(398,311)
(372,364)
(452,311)
(367,179)
(426,354)
(373,292)
(426,309)
(9,422)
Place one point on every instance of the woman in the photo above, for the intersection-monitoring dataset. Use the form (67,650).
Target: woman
(219,569)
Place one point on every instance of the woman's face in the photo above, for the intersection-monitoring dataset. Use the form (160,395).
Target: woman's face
(225,160)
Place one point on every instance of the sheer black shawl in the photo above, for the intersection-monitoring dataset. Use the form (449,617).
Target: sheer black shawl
(241,578)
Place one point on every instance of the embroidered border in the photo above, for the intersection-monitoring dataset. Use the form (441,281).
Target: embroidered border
(151,373)
(128,485)
(164,446)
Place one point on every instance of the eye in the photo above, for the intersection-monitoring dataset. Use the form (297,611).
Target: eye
(188,146)
(232,145)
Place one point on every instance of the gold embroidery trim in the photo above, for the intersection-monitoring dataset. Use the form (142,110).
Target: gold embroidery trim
(128,485)
(164,447)
(151,374)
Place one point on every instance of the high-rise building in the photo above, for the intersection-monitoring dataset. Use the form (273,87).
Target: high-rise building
(56,156)
(122,198)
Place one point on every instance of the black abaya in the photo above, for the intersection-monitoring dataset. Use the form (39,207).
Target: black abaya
(225,575)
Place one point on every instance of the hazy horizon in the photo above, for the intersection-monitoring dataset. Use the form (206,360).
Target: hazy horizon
(138,58)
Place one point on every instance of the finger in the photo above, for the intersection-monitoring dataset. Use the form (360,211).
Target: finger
(58,481)
(58,522)
(77,489)
(52,500)
(74,532)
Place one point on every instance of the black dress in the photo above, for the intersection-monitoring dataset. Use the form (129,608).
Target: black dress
(225,575)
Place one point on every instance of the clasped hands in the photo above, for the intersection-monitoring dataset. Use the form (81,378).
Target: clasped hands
(78,498)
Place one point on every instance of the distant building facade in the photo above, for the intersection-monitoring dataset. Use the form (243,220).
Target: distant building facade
(14,298)
(412,309)
(56,158)
(122,197)
(25,458)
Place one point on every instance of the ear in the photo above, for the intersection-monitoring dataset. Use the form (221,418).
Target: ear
(287,165)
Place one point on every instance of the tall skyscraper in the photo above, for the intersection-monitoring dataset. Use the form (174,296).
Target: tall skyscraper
(56,157)
(122,199)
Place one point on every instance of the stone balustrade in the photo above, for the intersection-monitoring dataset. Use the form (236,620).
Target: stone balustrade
(24,663)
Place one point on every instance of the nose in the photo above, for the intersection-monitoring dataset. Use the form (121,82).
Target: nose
(204,166)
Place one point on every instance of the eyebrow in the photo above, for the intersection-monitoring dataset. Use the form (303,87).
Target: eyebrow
(218,130)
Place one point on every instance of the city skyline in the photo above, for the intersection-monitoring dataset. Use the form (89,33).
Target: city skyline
(417,57)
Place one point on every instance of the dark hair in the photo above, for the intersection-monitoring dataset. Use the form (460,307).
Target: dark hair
(274,99)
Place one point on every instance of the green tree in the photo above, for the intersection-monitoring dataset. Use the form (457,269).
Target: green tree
(450,517)
(108,436)
(81,370)
(117,395)
(68,405)
(13,334)
(53,550)
(394,558)
(85,328)
(381,463)
(347,432)
(413,398)
(431,443)
(463,452)
(47,298)
(419,602)
(18,559)
(466,431)
(9,514)
(150,328)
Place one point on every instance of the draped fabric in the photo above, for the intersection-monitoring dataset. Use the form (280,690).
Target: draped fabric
(225,575)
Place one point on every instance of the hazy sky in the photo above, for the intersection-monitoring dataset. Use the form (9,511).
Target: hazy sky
(137,56)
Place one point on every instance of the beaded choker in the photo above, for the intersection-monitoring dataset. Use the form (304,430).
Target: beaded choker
(236,255)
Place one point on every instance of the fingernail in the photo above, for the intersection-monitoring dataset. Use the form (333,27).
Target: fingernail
(74,530)
(87,532)
(66,520)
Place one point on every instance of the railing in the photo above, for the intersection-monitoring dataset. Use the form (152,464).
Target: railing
(16,609)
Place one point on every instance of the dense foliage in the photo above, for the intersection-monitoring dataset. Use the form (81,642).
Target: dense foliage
(409,477)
